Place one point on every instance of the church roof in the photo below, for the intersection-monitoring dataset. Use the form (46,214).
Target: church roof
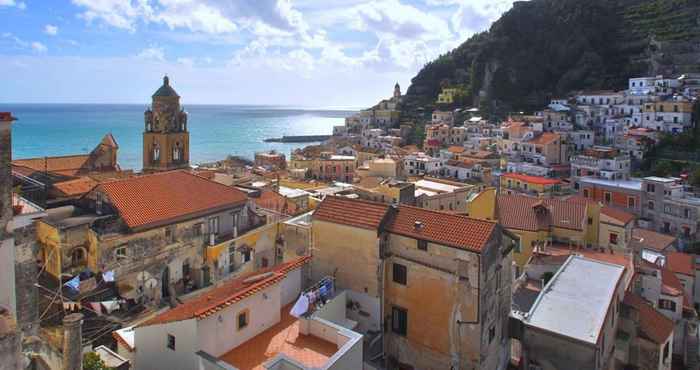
(109,141)
(165,90)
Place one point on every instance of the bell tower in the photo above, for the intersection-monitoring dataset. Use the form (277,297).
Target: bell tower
(166,141)
(397,91)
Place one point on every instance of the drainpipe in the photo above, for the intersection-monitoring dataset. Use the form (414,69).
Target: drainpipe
(73,342)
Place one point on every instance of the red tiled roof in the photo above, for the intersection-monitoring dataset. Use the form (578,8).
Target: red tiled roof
(152,200)
(68,165)
(230,292)
(681,263)
(351,212)
(652,324)
(464,163)
(6,117)
(532,179)
(108,140)
(456,149)
(518,212)
(616,258)
(652,239)
(545,138)
(75,187)
(441,228)
(617,214)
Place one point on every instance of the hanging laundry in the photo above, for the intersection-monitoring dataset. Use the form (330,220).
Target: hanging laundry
(323,290)
(108,276)
(73,283)
(311,296)
(300,307)
(110,306)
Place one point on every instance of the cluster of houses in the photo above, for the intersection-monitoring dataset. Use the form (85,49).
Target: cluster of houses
(524,244)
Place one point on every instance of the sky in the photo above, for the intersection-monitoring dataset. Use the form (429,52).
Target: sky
(311,53)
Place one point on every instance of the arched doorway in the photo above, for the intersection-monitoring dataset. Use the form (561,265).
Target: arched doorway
(165,282)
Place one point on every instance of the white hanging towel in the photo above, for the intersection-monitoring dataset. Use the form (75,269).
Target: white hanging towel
(110,306)
(108,276)
(300,307)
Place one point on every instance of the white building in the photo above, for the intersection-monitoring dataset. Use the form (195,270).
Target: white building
(421,164)
(245,323)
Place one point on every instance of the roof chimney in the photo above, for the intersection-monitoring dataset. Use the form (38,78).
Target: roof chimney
(73,342)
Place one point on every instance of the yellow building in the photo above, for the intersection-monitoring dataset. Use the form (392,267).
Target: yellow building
(413,272)
(514,183)
(615,229)
(537,221)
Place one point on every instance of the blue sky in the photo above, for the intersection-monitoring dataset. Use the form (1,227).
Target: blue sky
(318,53)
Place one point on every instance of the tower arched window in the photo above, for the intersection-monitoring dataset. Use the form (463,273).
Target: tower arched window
(156,152)
(177,152)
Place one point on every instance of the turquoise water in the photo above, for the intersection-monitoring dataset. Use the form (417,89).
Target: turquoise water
(215,131)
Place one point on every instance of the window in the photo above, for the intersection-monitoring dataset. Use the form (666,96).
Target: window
(666,304)
(686,213)
(197,229)
(651,188)
(492,333)
(78,256)
(242,320)
(630,202)
(245,255)
(120,253)
(607,197)
(99,204)
(156,153)
(613,239)
(666,351)
(214,225)
(399,321)
(423,245)
(399,273)
(590,220)
(171,342)
(650,205)
(585,193)
(170,234)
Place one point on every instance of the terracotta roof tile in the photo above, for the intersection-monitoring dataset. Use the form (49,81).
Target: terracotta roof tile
(75,187)
(519,212)
(274,201)
(456,149)
(232,291)
(652,324)
(544,138)
(151,200)
(69,165)
(617,214)
(531,179)
(681,263)
(351,212)
(651,239)
(441,228)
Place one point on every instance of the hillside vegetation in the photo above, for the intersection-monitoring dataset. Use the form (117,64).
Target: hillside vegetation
(545,48)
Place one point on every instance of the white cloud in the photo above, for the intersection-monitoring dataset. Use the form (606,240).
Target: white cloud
(117,13)
(39,47)
(20,4)
(393,19)
(51,30)
(152,53)
(189,62)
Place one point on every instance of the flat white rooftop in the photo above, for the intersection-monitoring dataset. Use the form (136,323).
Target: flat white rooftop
(632,184)
(435,186)
(575,301)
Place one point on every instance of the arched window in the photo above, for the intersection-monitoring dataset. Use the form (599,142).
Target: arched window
(156,152)
(177,152)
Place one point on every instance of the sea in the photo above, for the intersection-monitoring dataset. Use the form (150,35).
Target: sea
(216,131)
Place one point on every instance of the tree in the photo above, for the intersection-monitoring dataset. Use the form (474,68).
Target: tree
(92,361)
(695,177)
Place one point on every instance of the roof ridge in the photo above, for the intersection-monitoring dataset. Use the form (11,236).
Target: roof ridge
(52,156)
(446,213)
